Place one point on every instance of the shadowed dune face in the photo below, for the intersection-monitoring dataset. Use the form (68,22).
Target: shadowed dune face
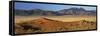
(48,25)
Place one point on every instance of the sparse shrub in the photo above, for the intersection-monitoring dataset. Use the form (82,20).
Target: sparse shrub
(85,22)
(28,27)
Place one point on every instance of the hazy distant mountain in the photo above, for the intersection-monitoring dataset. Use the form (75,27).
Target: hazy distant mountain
(77,11)
(35,12)
(70,11)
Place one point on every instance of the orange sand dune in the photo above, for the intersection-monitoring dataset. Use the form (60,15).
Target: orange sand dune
(48,25)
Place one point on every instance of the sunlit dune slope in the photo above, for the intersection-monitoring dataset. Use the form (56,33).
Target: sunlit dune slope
(49,25)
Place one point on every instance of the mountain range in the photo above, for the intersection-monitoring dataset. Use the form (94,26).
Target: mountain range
(70,11)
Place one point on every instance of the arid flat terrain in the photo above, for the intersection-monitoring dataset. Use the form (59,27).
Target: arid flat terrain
(38,24)
(65,18)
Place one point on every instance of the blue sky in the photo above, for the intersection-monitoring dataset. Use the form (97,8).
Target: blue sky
(54,7)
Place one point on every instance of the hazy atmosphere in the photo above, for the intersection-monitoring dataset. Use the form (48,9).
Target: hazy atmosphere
(53,7)
(39,18)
